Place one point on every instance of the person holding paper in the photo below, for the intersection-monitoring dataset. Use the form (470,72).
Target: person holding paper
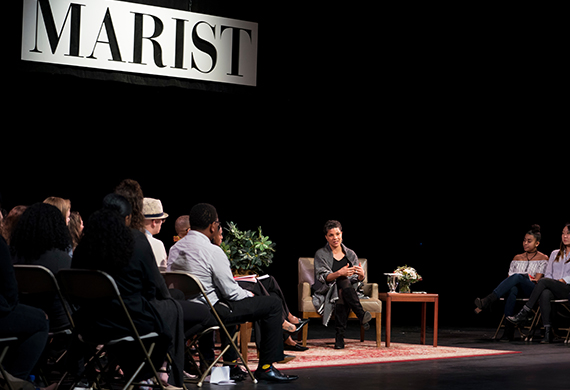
(210,265)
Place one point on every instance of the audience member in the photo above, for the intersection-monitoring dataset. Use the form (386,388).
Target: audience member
(169,309)
(10,222)
(29,324)
(41,237)
(525,271)
(154,218)
(64,205)
(194,318)
(181,226)
(75,228)
(554,285)
(109,245)
(209,264)
(337,270)
(132,191)
(267,285)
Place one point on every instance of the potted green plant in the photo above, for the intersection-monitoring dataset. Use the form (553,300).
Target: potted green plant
(248,251)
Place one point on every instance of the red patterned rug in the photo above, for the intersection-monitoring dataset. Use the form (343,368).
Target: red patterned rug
(322,354)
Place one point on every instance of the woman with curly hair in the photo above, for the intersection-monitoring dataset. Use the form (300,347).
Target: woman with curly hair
(41,237)
(109,245)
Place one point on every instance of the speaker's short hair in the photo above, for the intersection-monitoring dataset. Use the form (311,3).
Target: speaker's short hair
(331,225)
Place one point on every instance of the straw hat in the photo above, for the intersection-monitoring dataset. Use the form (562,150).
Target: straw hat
(152,209)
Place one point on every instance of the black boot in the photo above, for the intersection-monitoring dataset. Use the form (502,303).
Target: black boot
(341,319)
(483,304)
(351,299)
(548,335)
(509,334)
(524,315)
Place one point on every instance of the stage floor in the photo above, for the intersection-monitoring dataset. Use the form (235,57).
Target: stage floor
(538,366)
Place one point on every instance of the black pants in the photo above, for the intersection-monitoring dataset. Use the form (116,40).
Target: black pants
(267,311)
(546,290)
(30,326)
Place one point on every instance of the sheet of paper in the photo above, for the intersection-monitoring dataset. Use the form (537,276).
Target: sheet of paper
(221,376)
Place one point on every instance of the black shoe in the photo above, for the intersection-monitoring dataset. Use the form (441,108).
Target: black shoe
(520,317)
(237,374)
(297,347)
(548,336)
(339,341)
(273,375)
(301,324)
(483,304)
(509,333)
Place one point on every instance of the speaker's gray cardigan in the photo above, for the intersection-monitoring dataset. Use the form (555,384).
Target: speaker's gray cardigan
(326,293)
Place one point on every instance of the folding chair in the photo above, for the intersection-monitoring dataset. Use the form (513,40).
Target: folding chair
(81,286)
(4,345)
(524,336)
(567,329)
(35,281)
(192,288)
(538,317)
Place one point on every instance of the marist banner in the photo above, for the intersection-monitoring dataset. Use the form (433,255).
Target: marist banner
(135,38)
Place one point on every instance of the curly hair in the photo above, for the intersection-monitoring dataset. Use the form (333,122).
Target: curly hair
(107,243)
(332,224)
(132,190)
(40,228)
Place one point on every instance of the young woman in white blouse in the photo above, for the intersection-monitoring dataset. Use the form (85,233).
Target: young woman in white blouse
(525,271)
(554,285)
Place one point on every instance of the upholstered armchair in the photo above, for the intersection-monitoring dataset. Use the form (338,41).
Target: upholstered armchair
(307,310)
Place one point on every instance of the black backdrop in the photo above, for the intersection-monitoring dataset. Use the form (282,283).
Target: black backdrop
(434,135)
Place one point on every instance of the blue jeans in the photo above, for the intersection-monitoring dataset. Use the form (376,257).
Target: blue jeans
(512,287)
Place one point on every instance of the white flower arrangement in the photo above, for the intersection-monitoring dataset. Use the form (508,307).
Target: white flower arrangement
(406,276)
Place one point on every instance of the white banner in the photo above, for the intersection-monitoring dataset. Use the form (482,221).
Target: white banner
(129,37)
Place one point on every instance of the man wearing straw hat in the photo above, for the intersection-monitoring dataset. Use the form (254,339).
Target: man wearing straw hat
(154,217)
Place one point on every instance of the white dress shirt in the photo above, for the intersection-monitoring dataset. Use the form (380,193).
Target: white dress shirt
(197,255)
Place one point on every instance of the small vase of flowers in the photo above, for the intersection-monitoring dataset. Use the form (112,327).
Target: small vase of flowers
(406,276)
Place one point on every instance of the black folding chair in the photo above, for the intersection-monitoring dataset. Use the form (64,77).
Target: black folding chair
(563,311)
(192,288)
(36,280)
(35,283)
(81,286)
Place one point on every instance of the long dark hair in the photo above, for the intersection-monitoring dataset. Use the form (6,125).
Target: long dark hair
(560,254)
(107,243)
(41,228)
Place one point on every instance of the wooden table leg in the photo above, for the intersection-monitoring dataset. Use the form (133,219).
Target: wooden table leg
(435,320)
(388,321)
(423,324)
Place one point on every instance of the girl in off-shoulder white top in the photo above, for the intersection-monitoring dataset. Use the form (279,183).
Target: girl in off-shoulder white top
(524,271)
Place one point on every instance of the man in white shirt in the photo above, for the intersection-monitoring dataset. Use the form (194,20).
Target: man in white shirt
(154,217)
(196,254)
